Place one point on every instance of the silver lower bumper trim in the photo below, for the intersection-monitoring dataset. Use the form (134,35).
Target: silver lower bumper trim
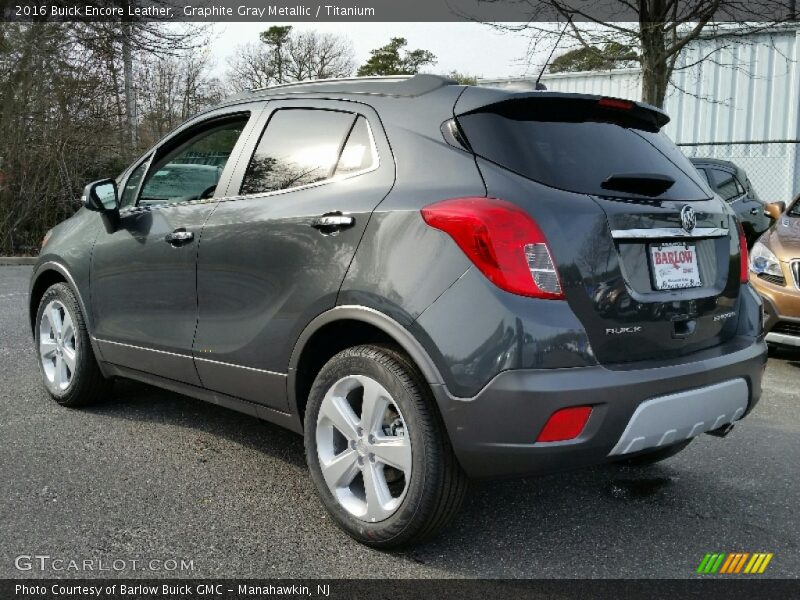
(666,420)
(782,338)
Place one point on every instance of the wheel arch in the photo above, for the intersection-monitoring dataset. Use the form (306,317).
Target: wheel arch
(46,275)
(354,325)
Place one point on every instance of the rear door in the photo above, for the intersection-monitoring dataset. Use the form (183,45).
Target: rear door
(275,252)
(611,193)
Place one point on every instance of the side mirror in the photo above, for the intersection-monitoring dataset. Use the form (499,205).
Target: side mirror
(101,196)
(774,210)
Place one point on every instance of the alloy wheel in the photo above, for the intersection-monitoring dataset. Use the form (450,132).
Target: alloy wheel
(363,448)
(58,348)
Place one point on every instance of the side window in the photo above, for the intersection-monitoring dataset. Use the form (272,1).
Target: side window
(298,147)
(726,184)
(191,170)
(359,152)
(128,195)
(705,177)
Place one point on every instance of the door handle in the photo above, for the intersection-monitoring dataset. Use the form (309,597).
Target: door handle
(178,237)
(333,222)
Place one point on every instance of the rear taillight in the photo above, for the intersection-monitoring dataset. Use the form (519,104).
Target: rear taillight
(565,424)
(502,240)
(744,276)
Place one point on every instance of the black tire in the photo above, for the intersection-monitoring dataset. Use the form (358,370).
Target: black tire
(437,483)
(87,384)
(650,458)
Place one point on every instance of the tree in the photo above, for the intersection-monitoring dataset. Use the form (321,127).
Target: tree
(284,56)
(314,55)
(276,39)
(251,67)
(120,45)
(594,58)
(658,30)
(170,90)
(463,78)
(65,118)
(387,60)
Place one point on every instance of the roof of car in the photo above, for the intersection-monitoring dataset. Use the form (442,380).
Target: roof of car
(408,87)
(393,85)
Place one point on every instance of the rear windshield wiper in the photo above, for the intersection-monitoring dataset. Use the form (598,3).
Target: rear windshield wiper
(647,184)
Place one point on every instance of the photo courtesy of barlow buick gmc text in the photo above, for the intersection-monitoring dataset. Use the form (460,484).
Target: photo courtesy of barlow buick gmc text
(461,299)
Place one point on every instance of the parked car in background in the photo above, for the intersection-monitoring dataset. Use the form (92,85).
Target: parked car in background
(732,184)
(775,274)
(428,281)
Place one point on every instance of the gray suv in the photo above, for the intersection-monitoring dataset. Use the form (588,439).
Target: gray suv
(430,282)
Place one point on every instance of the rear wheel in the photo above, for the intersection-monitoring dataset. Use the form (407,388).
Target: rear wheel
(66,360)
(650,458)
(377,451)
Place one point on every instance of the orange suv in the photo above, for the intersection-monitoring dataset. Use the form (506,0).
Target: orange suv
(775,273)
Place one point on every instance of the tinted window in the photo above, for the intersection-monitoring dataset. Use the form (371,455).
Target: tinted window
(725,184)
(298,147)
(192,170)
(359,152)
(794,211)
(128,195)
(567,146)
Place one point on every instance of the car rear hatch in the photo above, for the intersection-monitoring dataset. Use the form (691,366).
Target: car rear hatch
(648,256)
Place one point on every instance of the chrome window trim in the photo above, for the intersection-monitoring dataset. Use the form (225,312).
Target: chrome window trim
(668,232)
(102,341)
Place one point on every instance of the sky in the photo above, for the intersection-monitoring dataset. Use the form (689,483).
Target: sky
(470,48)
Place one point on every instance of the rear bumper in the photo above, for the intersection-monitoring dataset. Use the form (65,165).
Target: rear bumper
(493,433)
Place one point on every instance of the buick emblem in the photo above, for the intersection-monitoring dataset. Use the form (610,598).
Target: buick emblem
(688,218)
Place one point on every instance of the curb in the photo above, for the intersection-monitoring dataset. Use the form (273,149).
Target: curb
(17,260)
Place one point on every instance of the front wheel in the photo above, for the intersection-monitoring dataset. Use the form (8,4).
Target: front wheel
(66,360)
(377,451)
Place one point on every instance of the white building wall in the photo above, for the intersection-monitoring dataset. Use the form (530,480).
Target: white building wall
(745,91)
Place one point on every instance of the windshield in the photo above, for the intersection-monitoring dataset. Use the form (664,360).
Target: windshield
(577,150)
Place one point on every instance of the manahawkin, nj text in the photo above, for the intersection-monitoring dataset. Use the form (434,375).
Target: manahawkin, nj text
(194,12)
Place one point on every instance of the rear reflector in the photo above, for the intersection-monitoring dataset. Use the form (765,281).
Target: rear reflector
(565,424)
(502,240)
(744,276)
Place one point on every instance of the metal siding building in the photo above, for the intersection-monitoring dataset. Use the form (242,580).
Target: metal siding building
(727,104)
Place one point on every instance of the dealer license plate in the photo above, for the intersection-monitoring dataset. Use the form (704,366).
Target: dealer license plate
(674,266)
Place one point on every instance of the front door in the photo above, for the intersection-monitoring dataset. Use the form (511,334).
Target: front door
(275,252)
(143,281)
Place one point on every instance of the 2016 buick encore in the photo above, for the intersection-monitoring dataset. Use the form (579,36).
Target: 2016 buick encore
(429,281)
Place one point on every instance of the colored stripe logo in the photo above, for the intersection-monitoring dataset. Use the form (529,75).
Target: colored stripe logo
(734,563)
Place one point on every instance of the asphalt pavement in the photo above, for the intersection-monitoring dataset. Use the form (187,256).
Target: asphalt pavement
(151,475)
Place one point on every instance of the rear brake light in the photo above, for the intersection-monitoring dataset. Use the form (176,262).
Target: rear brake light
(744,276)
(565,424)
(502,240)
(616,103)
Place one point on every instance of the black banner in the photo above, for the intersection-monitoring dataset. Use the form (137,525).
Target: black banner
(740,587)
(384,10)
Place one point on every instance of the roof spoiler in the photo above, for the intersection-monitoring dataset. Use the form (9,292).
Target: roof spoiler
(485,99)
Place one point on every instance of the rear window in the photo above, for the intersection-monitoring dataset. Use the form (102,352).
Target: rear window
(570,145)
